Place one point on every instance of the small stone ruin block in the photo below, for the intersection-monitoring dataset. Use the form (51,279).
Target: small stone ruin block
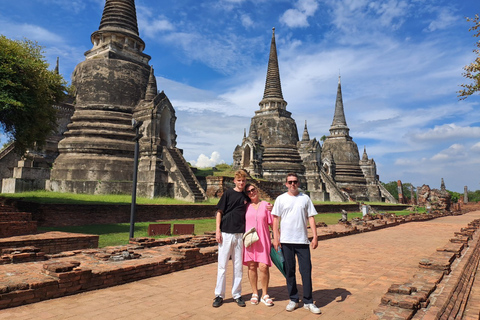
(58,267)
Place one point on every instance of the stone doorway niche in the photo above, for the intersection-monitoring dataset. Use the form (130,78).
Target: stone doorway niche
(165,129)
(246,156)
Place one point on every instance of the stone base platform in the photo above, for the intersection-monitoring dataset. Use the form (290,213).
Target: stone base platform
(52,242)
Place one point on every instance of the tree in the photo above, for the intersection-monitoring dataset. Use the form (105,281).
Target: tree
(28,92)
(454,196)
(392,187)
(472,71)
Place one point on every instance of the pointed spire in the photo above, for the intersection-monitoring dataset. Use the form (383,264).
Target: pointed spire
(365,156)
(273,87)
(272,96)
(152,90)
(305,136)
(118,25)
(119,15)
(442,186)
(57,69)
(244,133)
(339,124)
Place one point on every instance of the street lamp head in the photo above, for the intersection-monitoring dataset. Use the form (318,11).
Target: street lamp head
(136,124)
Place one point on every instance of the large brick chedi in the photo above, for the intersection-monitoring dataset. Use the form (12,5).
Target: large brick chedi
(270,150)
(115,85)
(99,146)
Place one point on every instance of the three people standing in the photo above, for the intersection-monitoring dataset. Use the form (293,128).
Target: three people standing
(236,213)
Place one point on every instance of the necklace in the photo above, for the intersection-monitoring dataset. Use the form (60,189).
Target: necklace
(255,205)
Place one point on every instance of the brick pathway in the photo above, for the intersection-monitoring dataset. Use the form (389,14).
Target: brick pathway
(350,276)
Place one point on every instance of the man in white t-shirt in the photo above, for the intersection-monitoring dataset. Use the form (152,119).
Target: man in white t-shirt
(291,212)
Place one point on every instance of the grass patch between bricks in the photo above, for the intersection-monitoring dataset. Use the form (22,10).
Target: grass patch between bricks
(118,234)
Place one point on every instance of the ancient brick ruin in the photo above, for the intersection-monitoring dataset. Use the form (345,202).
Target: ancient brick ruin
(115,86)
(32,273)
(272,149)
(434,199)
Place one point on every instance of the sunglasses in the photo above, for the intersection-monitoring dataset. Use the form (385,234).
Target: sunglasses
(292,182)
(251,190)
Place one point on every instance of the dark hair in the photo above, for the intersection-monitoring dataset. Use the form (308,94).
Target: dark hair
(248,185)
(291,174)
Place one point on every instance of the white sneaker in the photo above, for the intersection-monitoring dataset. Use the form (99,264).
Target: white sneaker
(292,305)
(313,308)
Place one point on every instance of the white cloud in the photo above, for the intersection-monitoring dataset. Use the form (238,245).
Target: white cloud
(448,131)
(444,20)
(390,11)
(29,31)
(204,161)
(298,17)
(455,151)
(75,5)
(247,22)
(476,147)
(153,27)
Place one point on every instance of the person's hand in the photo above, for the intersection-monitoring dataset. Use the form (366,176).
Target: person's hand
(218,236)
(314,243)
(276,244)
(269,206)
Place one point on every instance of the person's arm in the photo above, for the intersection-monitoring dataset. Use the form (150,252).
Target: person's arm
(269,206)
(313,227)
(218,232)
(276,232)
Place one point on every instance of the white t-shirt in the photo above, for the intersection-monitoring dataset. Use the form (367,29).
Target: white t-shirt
(294,212)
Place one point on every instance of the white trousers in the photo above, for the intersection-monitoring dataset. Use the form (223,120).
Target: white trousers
(231,246)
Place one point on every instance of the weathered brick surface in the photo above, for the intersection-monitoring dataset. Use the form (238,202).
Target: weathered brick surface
(156,257)
(51,242)
(454,291)
(92,269)
(14,223)
(457,248)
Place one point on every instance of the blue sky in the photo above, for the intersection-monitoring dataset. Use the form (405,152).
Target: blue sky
(400,62)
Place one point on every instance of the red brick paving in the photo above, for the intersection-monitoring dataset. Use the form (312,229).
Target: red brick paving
(351,274)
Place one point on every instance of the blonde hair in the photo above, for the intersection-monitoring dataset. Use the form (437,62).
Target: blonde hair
(240,174)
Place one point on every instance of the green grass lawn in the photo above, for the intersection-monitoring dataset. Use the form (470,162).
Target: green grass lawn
(118,234)
(73,198)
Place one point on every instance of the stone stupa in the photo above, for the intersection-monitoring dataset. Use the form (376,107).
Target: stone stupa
(116,86)
(270,149)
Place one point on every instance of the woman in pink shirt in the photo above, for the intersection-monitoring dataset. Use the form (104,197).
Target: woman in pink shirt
(257,255)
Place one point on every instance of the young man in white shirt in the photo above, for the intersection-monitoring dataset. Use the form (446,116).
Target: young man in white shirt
(291,212)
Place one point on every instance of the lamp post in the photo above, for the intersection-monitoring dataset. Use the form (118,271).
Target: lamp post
(136,125)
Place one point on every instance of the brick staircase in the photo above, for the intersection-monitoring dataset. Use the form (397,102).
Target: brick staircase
(187,174)
(14,223)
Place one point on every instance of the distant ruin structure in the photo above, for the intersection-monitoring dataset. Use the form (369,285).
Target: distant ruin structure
(272,149)
(434,198)
(465,195)
(115,86)
(31,170)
